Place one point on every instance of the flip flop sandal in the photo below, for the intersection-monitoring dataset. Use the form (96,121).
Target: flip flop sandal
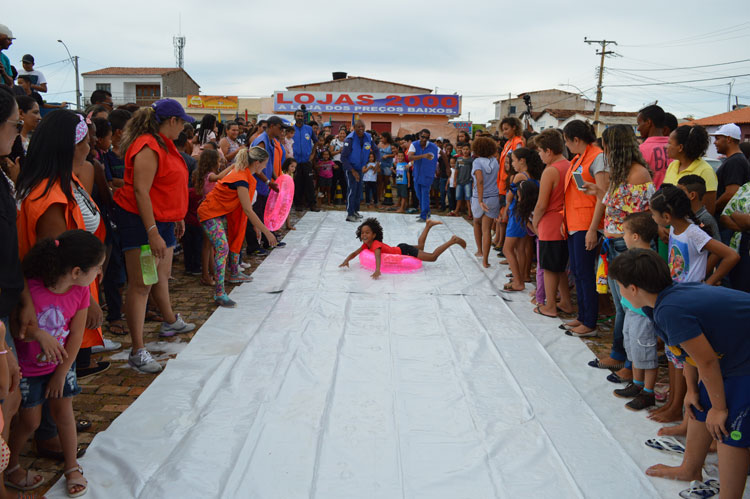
(72,482)
(670,445)
(508,288)
(118,329)
(616,378)
(28,480)
(153,316)
(83,425)
(596,363)
(539,312)
(701,490)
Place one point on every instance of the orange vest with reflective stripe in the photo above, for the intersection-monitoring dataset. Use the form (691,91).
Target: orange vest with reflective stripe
(278,153)
(579,206)
(508,148)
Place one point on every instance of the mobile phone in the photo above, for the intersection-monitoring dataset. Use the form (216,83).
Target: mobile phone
(578,176)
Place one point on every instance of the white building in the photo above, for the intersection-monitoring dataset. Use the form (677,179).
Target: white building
(558,118)
(544,99)
(140,85)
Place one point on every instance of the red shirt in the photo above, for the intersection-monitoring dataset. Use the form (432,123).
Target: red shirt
(384,248)
(169,192)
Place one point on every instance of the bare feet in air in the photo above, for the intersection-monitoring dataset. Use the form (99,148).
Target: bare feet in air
(455,239)
(432,223)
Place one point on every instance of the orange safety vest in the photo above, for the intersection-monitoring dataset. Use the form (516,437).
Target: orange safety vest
(509,147)
(224,201)
(31,210)
(278,153)
(579,206)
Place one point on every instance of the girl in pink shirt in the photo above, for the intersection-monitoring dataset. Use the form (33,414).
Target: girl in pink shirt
(59,273)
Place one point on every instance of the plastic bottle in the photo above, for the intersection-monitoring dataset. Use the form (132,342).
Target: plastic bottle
(148,266)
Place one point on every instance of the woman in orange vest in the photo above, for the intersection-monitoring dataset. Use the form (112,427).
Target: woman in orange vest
(52,201)
(512,130)
(150,209)
(224,215)
(583,220)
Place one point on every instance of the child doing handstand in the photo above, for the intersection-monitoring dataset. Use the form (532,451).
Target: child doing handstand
(371,235)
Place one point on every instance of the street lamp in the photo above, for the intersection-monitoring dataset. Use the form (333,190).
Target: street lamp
(571,85)
(74,60)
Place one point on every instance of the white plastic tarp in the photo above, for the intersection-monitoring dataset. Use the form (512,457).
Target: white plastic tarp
(324,383)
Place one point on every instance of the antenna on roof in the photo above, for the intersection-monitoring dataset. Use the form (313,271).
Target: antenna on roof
(179,46)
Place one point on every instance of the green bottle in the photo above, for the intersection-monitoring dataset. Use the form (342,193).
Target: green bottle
(148,266)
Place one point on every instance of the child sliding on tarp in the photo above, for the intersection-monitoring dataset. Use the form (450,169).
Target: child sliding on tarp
(371,235)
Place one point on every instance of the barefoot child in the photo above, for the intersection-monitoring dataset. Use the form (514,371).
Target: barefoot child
(370,179)
(59,273)
(705,326)
(638,330)
(485,197)
(371,235)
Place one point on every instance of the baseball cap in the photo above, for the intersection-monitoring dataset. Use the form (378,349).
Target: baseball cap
(439,139)
(729,130)
(168,108)
(4,30)
(28,58)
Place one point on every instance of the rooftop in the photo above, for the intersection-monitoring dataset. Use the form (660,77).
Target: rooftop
(131,71)
(738,116)
(291,87)
(563,114)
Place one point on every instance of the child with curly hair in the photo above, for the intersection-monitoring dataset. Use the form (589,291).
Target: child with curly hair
(371,235)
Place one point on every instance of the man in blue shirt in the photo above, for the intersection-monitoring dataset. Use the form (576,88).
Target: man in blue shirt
(268,140)
(6,40)
(357,148)
(304,154)
(707,328)
(424,155)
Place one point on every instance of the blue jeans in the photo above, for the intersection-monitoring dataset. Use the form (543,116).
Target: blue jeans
(423,194)
(442,185)
(371,192)
(353,193)
(583,267)
(616,247)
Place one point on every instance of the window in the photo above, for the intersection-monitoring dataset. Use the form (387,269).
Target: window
(104,86)
(512,110)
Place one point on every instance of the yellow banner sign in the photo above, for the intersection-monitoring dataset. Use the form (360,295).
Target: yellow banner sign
(213,101)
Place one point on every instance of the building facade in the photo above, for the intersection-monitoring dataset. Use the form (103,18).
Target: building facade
(140,85)
(558,118)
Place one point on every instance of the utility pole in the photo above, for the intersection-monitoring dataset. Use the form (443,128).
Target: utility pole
(729,97)
(603,52)
(74,60)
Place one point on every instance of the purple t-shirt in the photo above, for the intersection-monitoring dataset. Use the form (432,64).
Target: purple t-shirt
(53,313)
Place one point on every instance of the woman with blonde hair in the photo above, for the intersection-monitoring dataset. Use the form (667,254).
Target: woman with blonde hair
(150,210)
(224,215)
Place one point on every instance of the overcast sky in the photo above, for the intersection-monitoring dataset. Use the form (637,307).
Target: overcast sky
(482,50)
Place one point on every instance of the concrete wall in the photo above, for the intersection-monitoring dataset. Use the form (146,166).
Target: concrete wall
(359,85)
(178,84)
(122,87)
(552,99)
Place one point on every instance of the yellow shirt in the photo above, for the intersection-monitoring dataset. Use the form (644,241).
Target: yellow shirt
(698,167)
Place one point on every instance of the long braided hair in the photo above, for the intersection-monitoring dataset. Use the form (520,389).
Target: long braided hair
(673,200)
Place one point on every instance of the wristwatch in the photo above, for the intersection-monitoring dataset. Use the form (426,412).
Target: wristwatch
(268,181)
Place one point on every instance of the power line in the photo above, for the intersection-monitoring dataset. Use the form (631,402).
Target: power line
(695,38)
(679,82)
(686,67)
(654,82)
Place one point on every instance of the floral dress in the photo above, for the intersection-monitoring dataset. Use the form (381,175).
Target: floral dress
(626,199)
(740,203)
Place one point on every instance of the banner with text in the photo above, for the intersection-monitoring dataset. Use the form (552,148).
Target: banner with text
(212,101)
(372,103)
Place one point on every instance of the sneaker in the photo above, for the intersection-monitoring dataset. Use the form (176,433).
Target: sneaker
(245,266)
(642,401)
(99,368)
(352,218)
(178,326)
(280,244)
(260,252)
(143,361)
(225,301)
(315,209)
(358,215)
(421,220)
(109,346)
(239,278)
(630,391)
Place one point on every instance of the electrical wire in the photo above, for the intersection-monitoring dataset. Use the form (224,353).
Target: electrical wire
(702,38)
(687,67)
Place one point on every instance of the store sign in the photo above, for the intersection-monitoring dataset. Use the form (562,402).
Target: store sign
(462,125)
(355,102)
(213,102)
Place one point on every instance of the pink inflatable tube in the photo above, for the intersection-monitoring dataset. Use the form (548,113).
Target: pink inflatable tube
(279,203)
(390,263)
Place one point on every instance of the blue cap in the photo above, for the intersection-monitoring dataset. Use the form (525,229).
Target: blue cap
(169,108)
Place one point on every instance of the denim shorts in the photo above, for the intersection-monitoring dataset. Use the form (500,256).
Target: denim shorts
(463,192)
(133,233)
(402,190)
(33,388)
(737,396)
